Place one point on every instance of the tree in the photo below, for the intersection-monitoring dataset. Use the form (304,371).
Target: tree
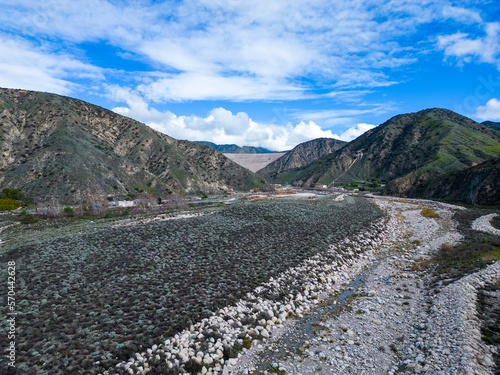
(8,193)
(9,204)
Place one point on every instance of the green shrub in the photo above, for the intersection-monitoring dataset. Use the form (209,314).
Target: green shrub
(9,204)
(427,212)
(8,193)
(247,343)
(68,211)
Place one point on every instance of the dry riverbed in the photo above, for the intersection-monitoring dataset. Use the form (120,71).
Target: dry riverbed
(384,319)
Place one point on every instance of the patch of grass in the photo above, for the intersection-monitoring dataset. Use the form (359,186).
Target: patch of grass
(492,255)
(495,222)
(275,370)
(247,343)
(454,261)
(427,212)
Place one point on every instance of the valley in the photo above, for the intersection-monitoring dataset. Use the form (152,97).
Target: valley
(251,273)
(250,187)
(136,253)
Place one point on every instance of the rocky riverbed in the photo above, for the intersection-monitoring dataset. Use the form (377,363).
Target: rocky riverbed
(365,307)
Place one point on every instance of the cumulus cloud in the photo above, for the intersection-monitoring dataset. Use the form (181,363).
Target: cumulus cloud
(221,126)
(491,111)
(236,50)
(355,132)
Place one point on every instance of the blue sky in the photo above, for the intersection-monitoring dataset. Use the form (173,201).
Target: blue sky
(260,73)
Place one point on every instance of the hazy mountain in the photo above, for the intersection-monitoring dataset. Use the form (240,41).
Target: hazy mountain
(55,146)
(235,149)
(491,124)
(301,155)
(404,152)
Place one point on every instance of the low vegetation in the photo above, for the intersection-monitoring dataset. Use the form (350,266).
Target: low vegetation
(476,251)
(427,212)
(104,295)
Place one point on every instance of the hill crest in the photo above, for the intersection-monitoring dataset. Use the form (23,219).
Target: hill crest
(55,146)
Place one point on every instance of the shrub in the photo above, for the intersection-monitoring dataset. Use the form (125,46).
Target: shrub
(7,204)
(68,211)
(427,212)
(446,251)
(8,193)
(247,343)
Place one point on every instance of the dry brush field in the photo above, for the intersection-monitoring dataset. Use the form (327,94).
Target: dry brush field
(87,298)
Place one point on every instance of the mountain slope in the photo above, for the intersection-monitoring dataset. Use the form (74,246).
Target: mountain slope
(235,149)
(301,155)
(404,152)
(491,124)
(54,146)
(479,184)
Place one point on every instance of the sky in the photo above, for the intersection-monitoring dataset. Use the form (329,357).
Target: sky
(267,73)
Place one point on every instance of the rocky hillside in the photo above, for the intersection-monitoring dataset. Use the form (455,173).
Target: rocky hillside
(477,185)
(406,151)
(302,155)
(235,149)
(55,146)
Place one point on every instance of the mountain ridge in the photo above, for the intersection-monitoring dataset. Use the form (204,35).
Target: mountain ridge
(235,149)
(55,146)
(403,152)
(302,154)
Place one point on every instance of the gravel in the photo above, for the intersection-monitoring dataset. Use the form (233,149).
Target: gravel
(483,224)
(395,325)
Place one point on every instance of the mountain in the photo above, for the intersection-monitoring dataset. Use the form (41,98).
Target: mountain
(235,149)
(55,146)
(301,155)
(477,185)
(491,124)
(405,152)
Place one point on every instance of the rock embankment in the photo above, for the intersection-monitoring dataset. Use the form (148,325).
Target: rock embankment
(452,343)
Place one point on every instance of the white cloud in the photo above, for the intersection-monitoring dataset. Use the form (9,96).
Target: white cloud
(220,125)
(464,48)
(236,50)
(461,14)
(491,111)
(355,132)
(27,66)
(208,86)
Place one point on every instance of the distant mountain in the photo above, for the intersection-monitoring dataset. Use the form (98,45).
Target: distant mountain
(235,149)
(301,155)
(491,124)
(55,146)
(406,151)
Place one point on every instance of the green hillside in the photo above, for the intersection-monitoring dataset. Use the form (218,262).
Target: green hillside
(403,152)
